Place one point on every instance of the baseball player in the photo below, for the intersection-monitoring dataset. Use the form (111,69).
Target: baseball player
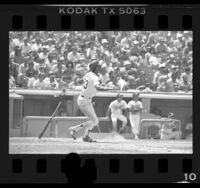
(135,108)
(89,89)
(116,109)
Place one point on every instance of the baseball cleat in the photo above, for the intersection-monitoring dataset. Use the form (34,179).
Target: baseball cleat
(88,139)
(73,133)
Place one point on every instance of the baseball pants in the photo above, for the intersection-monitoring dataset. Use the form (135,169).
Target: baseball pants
(135,122)
(87,108)
(115,117)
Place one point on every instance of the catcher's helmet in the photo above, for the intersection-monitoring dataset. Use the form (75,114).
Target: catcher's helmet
(93,65)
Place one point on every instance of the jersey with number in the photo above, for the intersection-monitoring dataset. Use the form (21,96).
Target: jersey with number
(89,87)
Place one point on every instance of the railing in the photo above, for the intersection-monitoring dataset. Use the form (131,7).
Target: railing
(161,95)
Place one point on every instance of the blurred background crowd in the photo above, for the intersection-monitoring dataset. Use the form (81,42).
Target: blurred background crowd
(134,60)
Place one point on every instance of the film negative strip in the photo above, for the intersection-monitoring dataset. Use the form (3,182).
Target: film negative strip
(35,140)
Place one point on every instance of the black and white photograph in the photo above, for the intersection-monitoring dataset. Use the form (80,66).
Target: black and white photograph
(100,92)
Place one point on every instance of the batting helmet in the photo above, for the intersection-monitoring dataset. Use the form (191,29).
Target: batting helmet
(93,65)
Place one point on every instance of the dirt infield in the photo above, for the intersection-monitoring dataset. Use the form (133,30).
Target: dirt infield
(110,144)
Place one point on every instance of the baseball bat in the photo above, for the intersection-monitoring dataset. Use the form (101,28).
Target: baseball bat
(43,131)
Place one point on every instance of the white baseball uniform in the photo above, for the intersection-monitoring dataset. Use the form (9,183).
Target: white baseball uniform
(135,115)
(116,113)
(85,98)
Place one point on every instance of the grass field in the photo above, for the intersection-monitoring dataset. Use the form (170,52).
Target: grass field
(106,144)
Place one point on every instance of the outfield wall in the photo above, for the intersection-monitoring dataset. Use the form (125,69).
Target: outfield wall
(44,102)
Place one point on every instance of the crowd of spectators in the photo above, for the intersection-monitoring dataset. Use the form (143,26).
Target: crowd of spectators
(133,60)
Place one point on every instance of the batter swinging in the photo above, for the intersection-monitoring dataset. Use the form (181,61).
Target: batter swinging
(90,87)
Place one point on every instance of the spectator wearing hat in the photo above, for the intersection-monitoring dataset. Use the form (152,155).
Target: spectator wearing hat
(135,108)
(127,65)
(40,83)
(33,79)
(116,110)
